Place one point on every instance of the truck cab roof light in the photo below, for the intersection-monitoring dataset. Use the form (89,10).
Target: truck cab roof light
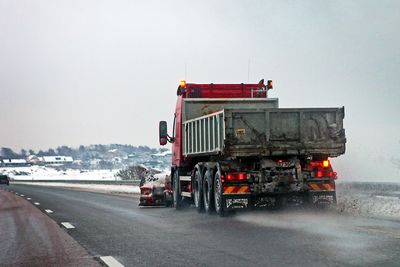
(326,163)
(182,84)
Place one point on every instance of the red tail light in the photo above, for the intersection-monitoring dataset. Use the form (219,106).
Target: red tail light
(329,174)
(236,176)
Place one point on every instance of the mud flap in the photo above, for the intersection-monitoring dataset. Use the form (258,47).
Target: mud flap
(322,198)
(234,202)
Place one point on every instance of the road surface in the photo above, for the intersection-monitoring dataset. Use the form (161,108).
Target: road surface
(134,236)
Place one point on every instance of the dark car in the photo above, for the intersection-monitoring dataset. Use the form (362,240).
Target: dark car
(4,179)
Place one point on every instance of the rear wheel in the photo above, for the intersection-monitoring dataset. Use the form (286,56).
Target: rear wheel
(198,191)
(177,191)
(219,202)
(208,192)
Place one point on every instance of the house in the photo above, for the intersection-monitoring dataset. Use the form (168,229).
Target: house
(33,159)
(13,163)
(57,160)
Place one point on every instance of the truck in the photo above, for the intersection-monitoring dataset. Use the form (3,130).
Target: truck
(155,190)
(234,148)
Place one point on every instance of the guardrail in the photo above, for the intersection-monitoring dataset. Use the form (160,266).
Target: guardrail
(110,182)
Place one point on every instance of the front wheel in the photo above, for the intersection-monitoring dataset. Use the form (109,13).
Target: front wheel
(218,199)
(177,191)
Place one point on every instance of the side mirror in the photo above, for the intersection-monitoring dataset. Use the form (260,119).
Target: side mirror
(163,133)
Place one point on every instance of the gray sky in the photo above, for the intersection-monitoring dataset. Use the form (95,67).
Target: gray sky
(86,72)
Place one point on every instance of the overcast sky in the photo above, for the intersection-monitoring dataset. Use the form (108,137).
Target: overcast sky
(88,72)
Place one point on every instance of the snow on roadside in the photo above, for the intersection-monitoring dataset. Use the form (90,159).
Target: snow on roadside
(18,174)
(46,173)
(369,199)
(102,188)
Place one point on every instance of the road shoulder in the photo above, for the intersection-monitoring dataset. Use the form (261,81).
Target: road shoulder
(31,238)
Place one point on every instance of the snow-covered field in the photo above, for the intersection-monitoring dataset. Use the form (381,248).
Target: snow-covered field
(46,173)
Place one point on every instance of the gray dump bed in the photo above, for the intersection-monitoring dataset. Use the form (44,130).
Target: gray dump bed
(257,127)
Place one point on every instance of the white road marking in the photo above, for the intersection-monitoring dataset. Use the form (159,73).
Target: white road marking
(36,203)
(67,225)
(28,198)
(110,261)
(48,211)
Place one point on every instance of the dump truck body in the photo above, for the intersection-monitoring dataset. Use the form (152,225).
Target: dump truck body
(247,127)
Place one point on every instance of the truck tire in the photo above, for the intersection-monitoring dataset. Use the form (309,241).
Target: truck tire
(177,192)
(208,192)
(219,202)
(198,191)
(168,203)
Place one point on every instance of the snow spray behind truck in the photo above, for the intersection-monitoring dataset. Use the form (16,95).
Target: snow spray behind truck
(234,148)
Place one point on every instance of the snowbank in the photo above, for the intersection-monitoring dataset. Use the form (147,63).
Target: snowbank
(45,173)
(369,199)
(101,188)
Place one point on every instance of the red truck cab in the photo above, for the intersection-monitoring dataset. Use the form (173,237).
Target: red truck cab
(223,91)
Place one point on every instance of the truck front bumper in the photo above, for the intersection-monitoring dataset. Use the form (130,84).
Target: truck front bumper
(151,200)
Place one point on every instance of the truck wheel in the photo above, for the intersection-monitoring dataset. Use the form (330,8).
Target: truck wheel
(177,192)
(208,192)
(168,203)
(218,200)
(198,191)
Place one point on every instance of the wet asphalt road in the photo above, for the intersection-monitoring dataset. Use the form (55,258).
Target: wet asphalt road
(116,226)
